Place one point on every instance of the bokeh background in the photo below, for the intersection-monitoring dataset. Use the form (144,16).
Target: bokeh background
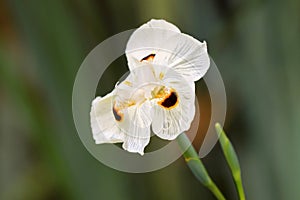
(255,44)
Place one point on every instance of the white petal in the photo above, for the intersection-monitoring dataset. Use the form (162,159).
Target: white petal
(162,24)
(147,40)
(189,56)
(137,144)
(169,47)
(169,123)
(144,74)
(136,110)
(103,123)
(136,126)
(136,86)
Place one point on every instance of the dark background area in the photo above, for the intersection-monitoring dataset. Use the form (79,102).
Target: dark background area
(255,44)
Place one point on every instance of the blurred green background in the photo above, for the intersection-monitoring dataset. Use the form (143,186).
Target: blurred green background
(255,44)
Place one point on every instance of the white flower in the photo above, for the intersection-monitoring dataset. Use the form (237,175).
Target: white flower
(159,92)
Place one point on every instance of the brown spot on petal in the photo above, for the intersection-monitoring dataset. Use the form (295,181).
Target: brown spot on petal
(170,101)
(117,114)
(148,58)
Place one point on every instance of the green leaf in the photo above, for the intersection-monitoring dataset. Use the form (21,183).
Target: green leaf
(195,164)
(232,160)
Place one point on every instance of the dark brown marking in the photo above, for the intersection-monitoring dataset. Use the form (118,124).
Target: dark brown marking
(117,115)
(149,58)
(170,101)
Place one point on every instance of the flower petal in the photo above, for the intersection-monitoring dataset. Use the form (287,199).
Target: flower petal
(104,127)
(137,144)
(162,24)
(174,115)
(147,40)
(163,45)
(189,56)
(130,99)
(136,126)
(135,88)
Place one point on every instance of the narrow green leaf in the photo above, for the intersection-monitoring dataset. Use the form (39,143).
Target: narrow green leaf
(195,164)
(232,160)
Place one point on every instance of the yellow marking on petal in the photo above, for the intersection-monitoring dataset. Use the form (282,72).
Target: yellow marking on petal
(126,104)
(130,103)
(161,75)
(128,83)
(159,92)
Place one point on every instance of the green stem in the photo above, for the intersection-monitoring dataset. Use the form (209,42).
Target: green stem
(195,164)
(232,160)
(239,186)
